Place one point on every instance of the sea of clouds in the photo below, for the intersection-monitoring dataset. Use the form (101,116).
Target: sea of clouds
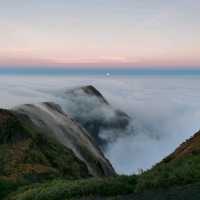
(164,110)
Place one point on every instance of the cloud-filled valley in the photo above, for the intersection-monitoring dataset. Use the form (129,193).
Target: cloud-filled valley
(164,111)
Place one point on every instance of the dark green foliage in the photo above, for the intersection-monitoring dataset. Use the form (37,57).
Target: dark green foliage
(188,192)
(62,189)
(116,188)
(183,171)
(6,186)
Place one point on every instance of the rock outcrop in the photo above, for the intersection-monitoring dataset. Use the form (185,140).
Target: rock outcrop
(90,108)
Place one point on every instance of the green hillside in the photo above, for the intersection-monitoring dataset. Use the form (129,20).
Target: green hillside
(27,156)
(180,168)
(35,167)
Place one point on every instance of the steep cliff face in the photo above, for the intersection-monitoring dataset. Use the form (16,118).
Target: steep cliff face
(51,121)
(89,107)
(26,154)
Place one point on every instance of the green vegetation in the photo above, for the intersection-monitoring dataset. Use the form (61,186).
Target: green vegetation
(35,167)
(28,156)
(182,171)
(62,189)
(7,186)
(187,192)
(180,168)
(115,188)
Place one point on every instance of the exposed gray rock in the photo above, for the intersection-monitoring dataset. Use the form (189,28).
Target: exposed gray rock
(89,107)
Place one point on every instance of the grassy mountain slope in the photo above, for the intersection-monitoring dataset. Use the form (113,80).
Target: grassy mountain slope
(187,192)
(179,168)
(27,156)
(62,189)
(176,177)
(51,121)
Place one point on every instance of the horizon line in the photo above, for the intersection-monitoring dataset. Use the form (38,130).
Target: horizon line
(98,71)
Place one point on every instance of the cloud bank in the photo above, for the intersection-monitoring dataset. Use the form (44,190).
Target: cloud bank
(165,111)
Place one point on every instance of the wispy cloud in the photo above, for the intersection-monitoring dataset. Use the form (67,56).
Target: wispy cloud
(165,111)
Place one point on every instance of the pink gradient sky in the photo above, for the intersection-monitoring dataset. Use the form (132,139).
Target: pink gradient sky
(112,33)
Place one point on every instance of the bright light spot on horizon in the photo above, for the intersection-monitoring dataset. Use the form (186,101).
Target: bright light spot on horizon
(107,74)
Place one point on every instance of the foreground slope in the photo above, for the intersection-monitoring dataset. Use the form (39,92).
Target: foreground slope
(179,168)
(176,177)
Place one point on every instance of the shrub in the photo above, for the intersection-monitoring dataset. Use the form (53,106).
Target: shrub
(62,189)
(6,186)
(182,171)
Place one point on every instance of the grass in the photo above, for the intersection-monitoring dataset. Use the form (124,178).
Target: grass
(63,189)
(183,171)
(180,172)
(34,167)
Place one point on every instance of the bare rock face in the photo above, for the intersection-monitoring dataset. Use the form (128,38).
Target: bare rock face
(89,107)
(51,121)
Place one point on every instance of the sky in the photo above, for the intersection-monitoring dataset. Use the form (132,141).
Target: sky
(100,33)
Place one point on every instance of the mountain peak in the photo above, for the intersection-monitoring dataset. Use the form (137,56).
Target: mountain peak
(88,91)
(91,90)
(103,122)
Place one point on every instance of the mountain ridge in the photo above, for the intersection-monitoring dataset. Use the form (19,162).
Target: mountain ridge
(49,118)
(92,110)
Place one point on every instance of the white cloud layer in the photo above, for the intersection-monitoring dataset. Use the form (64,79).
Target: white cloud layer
(165,111)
